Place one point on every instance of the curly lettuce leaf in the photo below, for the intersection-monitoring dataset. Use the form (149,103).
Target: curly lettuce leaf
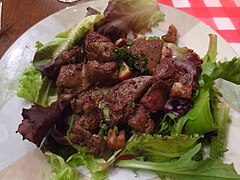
(228,70)
(212,49)
(159,148)
(60,168)
(212,70)
(47,58)
(217,145)
(30,84)
(96,166)
(68,169)
(122,17)
(185,167)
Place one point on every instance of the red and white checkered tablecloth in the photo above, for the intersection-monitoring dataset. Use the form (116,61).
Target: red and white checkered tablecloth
(221,15)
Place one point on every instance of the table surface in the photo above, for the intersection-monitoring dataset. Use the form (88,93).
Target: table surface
(20,15)
(222,15)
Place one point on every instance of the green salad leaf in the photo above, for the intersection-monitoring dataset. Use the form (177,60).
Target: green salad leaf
(200,119)
(217,145)
(36,88)
(166,127)
(186,168)
(68,169)
(159,148)
(227,70)
(60,168)
(29,84)
(38,45)
(212,70)
(96,166)
(46,94)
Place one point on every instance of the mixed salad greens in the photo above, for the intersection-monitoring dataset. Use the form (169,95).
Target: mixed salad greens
(177,149)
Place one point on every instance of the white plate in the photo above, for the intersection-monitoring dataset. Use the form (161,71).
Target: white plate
(20,159)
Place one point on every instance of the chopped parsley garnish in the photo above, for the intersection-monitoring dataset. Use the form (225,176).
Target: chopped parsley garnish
(153,38)
(143,67)
(144,70)
(104,131)
(130,102)
(106,115)
(126,56)
(38,44)
(123,55)
(129,42)
(144,62)
(122,67)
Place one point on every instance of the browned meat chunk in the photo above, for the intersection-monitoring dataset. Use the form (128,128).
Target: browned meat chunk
(98,47)
(97,145)
(171,35)
(84,127)
(122,97)
(75,55)
(92,117)
(184,69)
(91,94)
(149,53)
(71,79)
(79,135)
(165,69)
(78,102)
(181,76)
(102,74)
(156,97)
(82,137)
(141,121)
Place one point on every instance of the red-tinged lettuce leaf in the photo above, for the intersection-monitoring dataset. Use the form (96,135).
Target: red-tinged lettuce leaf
(122,17)
(38,120)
